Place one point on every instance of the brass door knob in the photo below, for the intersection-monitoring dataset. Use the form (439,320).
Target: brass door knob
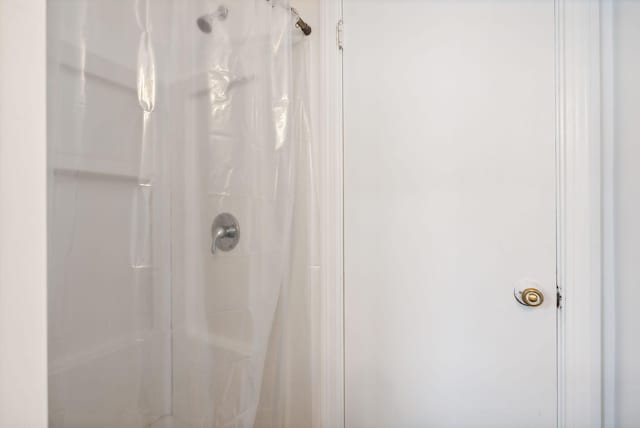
(529,297)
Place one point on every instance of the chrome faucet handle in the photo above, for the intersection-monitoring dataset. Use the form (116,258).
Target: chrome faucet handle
(216,235)
(225,233)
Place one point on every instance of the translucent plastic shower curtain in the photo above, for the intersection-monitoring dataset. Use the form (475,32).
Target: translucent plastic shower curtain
(238,157)
(155,128)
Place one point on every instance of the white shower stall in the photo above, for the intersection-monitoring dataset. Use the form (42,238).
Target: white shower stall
(155,129)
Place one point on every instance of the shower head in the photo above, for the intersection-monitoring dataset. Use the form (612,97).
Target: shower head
(205,22)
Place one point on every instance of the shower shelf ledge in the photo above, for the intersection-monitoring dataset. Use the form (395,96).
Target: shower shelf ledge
(221,342)
(69,164)
(104,350)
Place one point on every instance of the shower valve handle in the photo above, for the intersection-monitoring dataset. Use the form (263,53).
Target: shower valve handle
(225,233)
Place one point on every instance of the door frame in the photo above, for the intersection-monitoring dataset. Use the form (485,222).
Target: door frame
(579,218)
(329,369)
(580,148)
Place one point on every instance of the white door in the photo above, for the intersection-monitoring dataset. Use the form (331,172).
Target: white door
(449,207)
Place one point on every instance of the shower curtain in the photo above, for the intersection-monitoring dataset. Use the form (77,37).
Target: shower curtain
(155,128)
(246,122)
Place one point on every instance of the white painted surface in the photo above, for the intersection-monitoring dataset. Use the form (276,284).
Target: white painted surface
(626,105)
(449,202)
(328,402)
(579,242)
(23,256)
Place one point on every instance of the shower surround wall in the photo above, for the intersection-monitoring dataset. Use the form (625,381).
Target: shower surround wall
(109,323)
(155,129)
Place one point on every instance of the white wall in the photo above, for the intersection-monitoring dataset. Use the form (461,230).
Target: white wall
(23,389)
(626,75)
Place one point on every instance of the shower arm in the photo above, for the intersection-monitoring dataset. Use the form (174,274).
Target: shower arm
(300,23)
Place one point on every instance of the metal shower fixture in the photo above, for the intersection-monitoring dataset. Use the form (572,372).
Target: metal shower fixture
(205,22)
(303,26)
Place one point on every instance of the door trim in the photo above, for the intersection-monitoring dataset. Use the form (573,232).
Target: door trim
(579,222)
(329,409)
(579,215)
(607,22)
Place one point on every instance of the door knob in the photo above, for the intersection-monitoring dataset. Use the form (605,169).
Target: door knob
(529,297)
